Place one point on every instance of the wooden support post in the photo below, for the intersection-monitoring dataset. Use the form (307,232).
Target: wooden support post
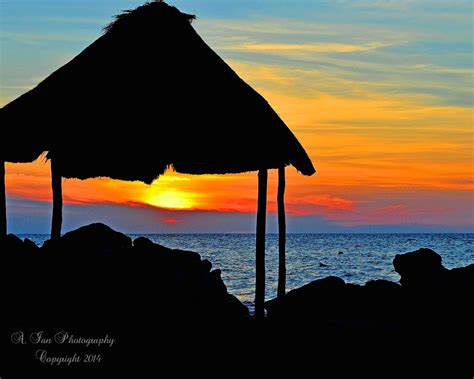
(56,184)
(3,202)
(260,245)
(281,233)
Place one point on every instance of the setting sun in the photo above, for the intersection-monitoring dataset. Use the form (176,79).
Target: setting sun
(171,199)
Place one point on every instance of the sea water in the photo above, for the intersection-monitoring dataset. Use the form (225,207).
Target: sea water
(356,258)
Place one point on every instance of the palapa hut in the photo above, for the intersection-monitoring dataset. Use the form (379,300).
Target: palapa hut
(180,105)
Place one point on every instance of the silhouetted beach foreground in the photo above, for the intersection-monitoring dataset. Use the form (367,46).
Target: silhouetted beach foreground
(103,300)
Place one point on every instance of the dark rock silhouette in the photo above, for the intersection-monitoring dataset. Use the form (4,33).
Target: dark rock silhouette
(429,295)
(149,296)
(420,268)
(30,245)
(462,278)
(95,266)
(323,298)
(91,239)
(383,324)
(12,245)
(157,303)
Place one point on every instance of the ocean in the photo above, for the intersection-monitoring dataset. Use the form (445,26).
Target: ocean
(356,258)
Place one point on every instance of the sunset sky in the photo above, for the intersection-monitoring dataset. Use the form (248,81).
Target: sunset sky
(380,93)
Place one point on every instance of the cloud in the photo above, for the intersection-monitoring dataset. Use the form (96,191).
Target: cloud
(318,204)
(34,217)
(36,38)
(312,48)
(404,5)
(396,214)
(100,22)
(407,57)
(170,221)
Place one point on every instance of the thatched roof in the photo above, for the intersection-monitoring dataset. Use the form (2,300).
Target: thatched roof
(151,93)
(23,139)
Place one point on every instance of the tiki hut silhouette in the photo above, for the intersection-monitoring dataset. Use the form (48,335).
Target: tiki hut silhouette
(21,144)
(150,94)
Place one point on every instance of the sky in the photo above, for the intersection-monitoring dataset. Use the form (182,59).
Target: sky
(380,94)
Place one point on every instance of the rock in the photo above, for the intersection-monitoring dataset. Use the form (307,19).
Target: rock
(233,308)
(142,243)
(15,247)
(92,238)
(326,287)
(186,259)
(430,301)
(216,284)
(420,269)
(382,286)
(458,289)
(382,299)
(12,240)
(463,277)
(145,245)
(95,267)
(340,253)
(30,245)
(12,244)
(206,266)
(316,299)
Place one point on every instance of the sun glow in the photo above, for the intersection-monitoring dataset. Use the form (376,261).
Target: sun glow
(171,199)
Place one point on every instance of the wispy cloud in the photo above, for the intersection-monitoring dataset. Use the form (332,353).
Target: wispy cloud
(34,38)
(313,47)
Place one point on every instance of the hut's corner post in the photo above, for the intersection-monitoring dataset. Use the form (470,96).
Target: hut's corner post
(260,244)
(281,233)
(3,202)
(56,185)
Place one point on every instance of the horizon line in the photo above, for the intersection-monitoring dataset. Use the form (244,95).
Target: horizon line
(252,234)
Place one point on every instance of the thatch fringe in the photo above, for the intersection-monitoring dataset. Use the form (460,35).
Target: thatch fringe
(127,15)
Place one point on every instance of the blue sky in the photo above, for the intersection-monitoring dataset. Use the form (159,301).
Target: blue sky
(433,36)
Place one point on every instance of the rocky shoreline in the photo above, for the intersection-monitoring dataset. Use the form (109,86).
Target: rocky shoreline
(95,266)
(95,278)
(89,249)
(428,293)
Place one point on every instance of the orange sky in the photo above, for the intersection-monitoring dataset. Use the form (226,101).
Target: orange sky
(352,142)
(389,126)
